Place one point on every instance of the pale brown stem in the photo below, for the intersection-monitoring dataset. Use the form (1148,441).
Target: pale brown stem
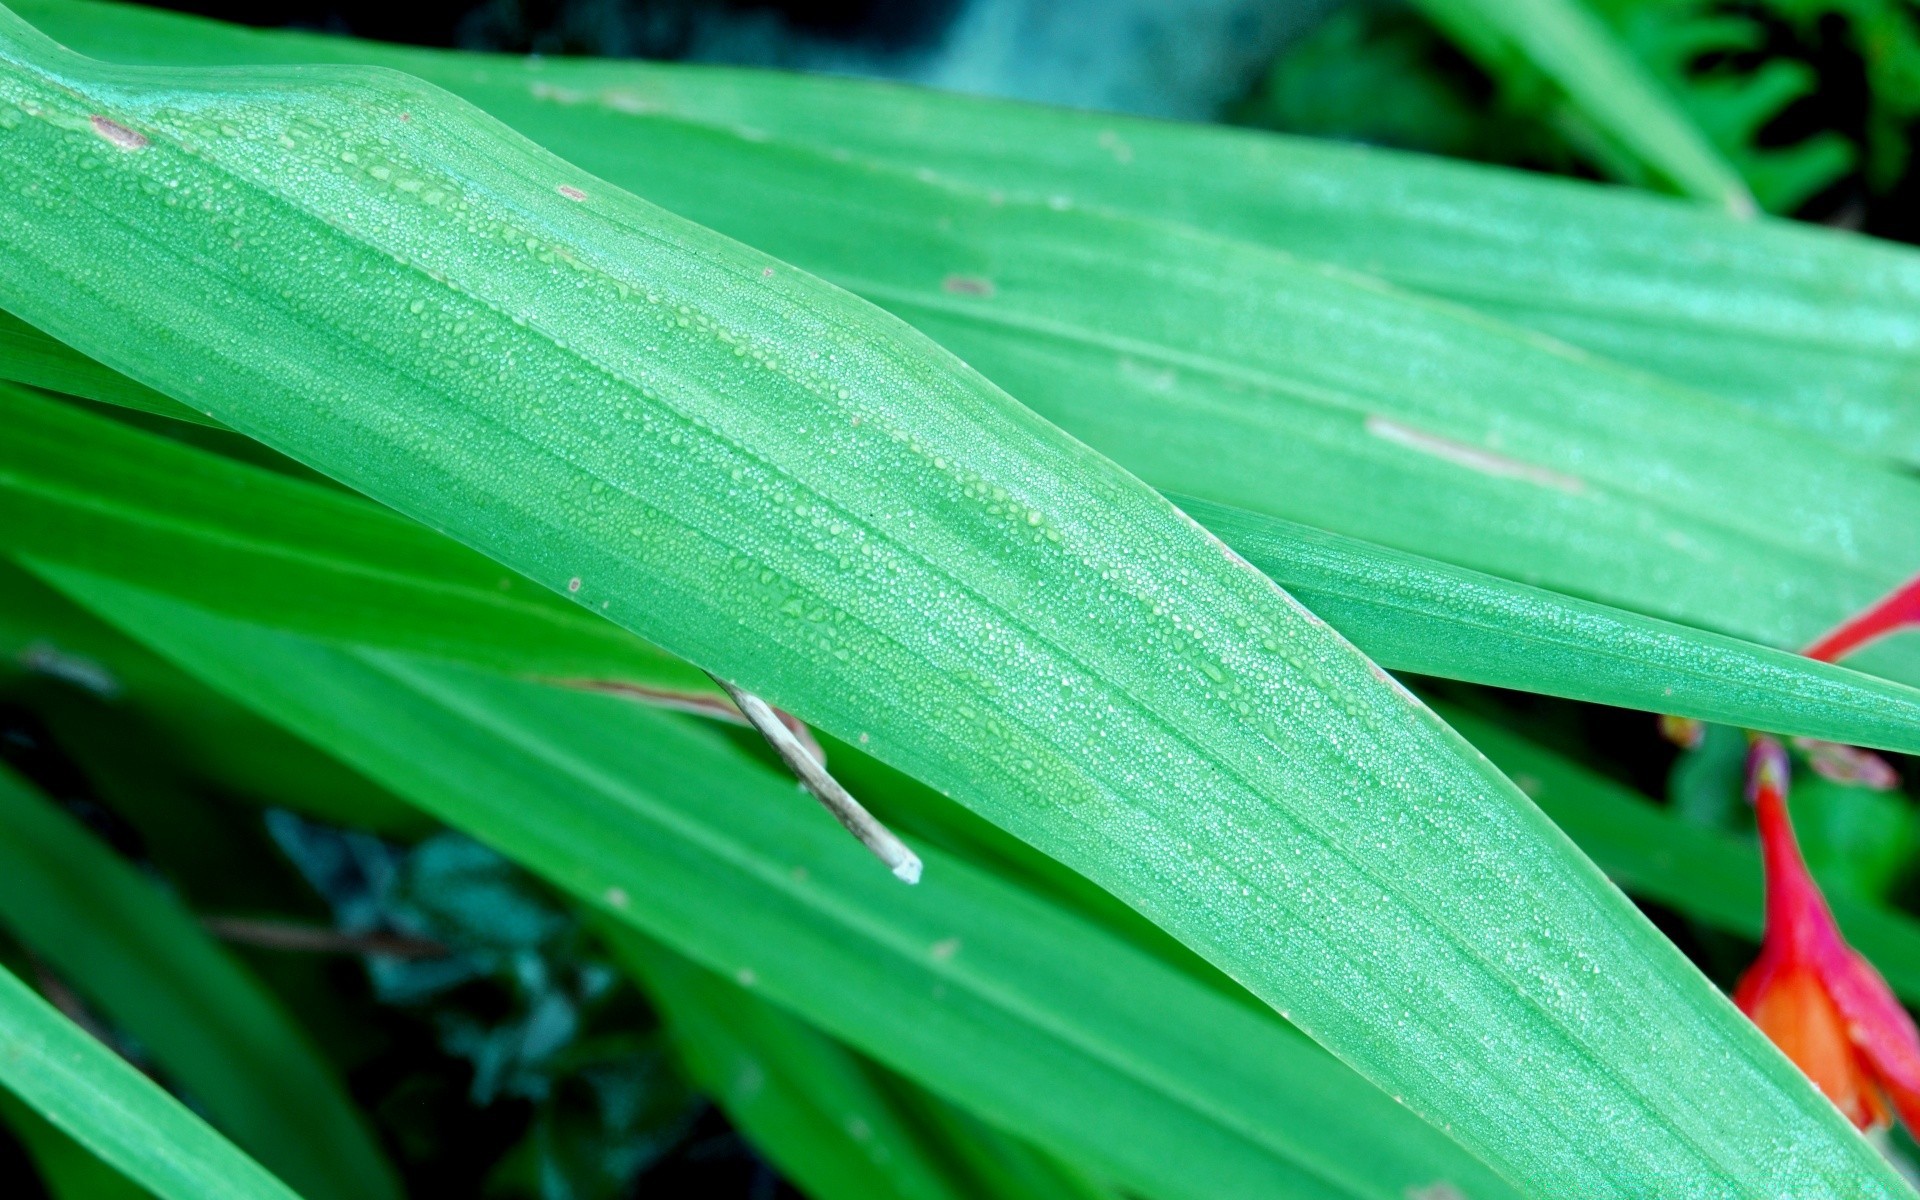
(851,814)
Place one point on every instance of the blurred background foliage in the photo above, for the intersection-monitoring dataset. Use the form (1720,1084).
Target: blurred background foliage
(497,1045)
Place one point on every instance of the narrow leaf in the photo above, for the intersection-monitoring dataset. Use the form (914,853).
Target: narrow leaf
(94,1096)
(812,1106)
(1416,614)
(1564,43)
(147,965)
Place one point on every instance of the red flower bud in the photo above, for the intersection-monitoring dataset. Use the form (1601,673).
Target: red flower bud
(1825,1007)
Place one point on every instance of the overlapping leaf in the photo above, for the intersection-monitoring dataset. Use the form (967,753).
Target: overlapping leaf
(782,485)
(147,964)
(1035,1018)
(90,493)
(1813,327)
(1229,371)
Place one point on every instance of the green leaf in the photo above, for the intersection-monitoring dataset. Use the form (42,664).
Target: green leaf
(1564,44)
(1025,1013)
(67,1170)
(1811,326)
(826,1119)
(784,486)
(130,949)
(30,356)
(87,492)
(250,542)
(1234,373)
(91,1094)
(1414,614)
(225,747)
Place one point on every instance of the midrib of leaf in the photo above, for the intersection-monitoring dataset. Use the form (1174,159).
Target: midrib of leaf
(1091,505)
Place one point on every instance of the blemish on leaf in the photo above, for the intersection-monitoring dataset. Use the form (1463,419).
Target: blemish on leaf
(945,949)
(967,285)
(1472,457)
(573,585)
(118,134)
(617,896)
(572,193)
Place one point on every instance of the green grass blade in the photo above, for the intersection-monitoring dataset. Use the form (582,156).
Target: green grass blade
(1565,44)
(780,484)
(145,962)
(1034,1017)
(87,492)
(67,1170)
(43,635)
(1811,326)
(31,357)
(91,1094)
(1417,614)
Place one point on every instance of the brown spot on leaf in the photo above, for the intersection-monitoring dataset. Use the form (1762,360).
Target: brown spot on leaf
(572,193)
(118,134)
(967,285)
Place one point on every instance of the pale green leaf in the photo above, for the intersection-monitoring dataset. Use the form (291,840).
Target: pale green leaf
(780,484)
(91,1094)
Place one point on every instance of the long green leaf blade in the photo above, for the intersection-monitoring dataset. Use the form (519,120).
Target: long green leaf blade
(781,485)
(1416,614)
(1564,42)
(68,1170)
(146,963)
(116,1112)
(821,1114)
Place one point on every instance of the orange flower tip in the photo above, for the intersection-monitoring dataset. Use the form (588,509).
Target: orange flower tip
(1796,1012)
